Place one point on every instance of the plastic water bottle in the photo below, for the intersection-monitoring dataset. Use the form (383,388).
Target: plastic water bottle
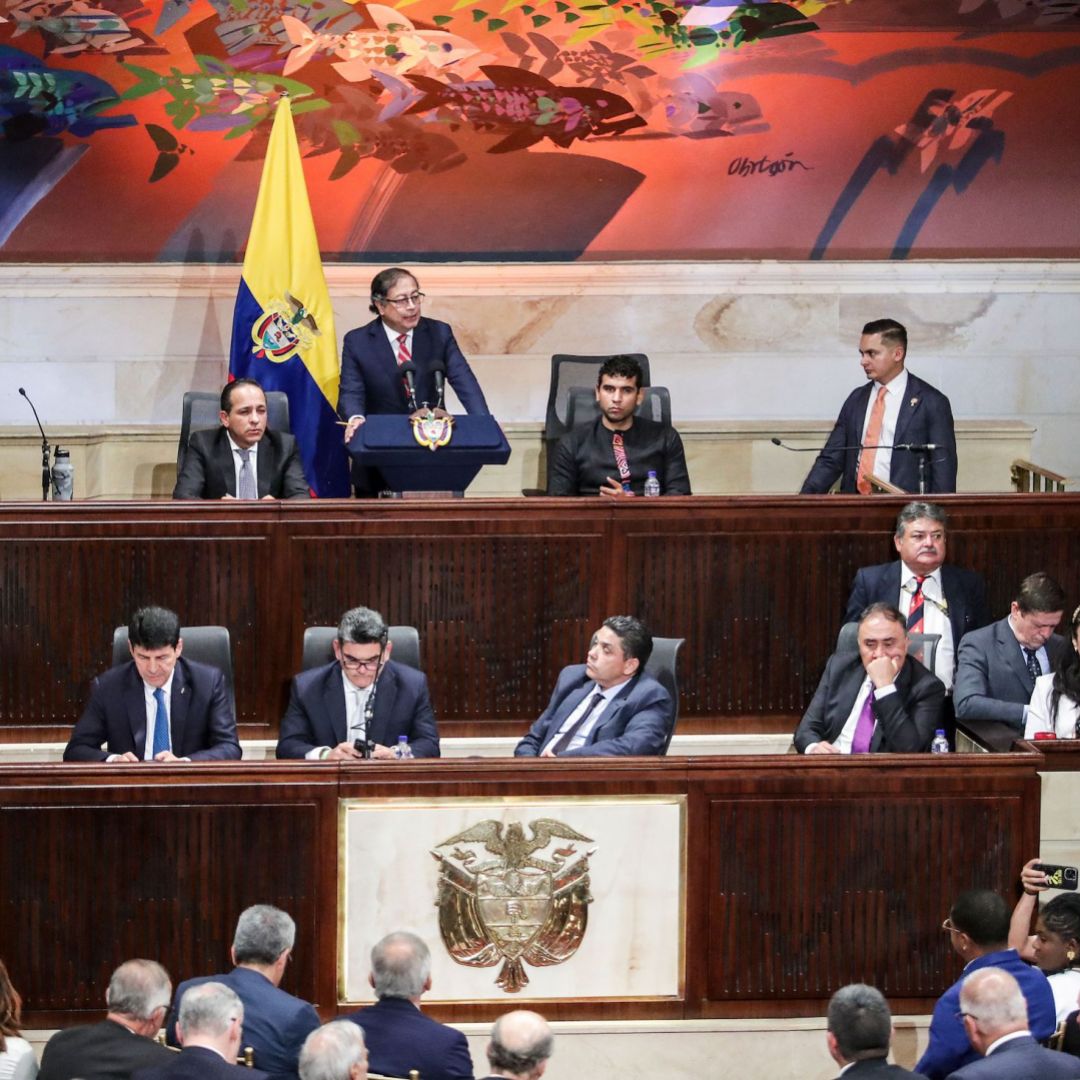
(403,750)
(652,485)
(63,476)
(940,745)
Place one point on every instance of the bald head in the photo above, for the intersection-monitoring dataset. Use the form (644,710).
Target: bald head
(401,966)
(993,1005)
(521,1043)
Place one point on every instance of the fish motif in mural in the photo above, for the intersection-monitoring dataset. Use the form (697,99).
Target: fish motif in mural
(395,45)
(1045,11)
(951,125)
(70,27)
(594,65)
(691,105)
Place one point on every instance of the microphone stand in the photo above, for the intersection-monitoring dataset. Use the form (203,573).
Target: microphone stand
(921,449)
(46,472)
(366,745)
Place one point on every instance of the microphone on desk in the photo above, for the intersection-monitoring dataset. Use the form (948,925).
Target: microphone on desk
(438,369)
(914,447)
(46,472)
(408,375)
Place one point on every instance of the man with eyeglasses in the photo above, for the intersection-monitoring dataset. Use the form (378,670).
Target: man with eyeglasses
(361,703)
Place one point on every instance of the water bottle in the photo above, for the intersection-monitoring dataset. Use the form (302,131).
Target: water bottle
(940,745)
(63,476)
(652,485)
(403,751)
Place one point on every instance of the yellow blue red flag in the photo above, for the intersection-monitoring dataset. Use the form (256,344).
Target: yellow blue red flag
(283,323)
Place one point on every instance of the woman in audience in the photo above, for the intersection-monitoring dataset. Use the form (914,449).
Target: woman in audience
(1054,948)
(1055,701)
(17,1061)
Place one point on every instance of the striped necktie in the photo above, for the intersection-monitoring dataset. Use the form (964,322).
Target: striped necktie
(915,611)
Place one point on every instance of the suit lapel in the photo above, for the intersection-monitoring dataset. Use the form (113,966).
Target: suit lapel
(843,698)
(385,697)
(388,365)
(569,704)
(333,695)
(611,712)
(135,706)
(264,466)
(957,601)
(1009,654)
(908,407)
(223,459)
(178,707)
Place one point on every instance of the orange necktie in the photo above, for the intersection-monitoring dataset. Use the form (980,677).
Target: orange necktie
(871,439)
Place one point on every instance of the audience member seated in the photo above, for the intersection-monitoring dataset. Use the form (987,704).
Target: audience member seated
(934,596)
(978,927)
(17,1061)
(1000,664)
(242,459)
(860,1032)
(158,706)
(210,1027)
(607,706)
(275,1024)
(1055,701)
(520,1046)
(1054,948)
(618,449)
(878,700)
(137,1001)
(995,1018)
(398,1036)
(361,697)
(335,1051)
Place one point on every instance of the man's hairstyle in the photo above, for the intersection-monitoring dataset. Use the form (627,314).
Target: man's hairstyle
(10,1008)
(330,1052)
(994,999)
(137,988)
(1040,592)
(889,611)
(892,333)
(523,1058)
(634,636)
(154,628)
(982,915)
(229,387)
(208,1008)
(362,626)
(622,367)
(384,281)
(916,510)
(263,933)
(860,1021)
(400,965)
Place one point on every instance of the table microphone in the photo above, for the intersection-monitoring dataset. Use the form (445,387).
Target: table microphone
(438,369)
(408,374)
(46,472)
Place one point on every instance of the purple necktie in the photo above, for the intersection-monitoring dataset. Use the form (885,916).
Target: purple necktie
(864,727)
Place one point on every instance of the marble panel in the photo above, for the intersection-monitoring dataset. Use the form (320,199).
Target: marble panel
(769,323)
(1060,811)
(150,392)
(63,391)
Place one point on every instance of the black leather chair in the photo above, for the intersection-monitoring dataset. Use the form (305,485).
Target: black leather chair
(203,644)
(582,408)
(201,410)
(568,371)
(662,666)
(922,646)
(319,646)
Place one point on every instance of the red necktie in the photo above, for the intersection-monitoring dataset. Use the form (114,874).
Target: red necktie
(864,727)
(403,354)
(870,440)
(915,612)
(620,456)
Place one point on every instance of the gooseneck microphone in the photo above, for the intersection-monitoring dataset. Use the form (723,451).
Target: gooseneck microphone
(45,470)
(408,374)
(439,371)
(915,447)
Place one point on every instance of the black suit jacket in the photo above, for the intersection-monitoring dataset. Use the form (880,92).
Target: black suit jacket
(925,417)
(105,1051)
(316,712)
(992,681)
(201,719)
(198,1063)
(209,471)
(965,593)
(879,1069)
(906,720)
(1018,1059)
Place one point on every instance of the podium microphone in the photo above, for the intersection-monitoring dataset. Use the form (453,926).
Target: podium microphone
(913,447)
(408,375)
(46,472)
(439,371)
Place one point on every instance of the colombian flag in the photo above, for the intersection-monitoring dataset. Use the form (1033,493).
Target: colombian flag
(283,325)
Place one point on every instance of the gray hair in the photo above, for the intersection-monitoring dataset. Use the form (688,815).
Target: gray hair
(400,965)
(208,1009)
(362,626)
(263,933)
(994,999)
(916,510)
(860,1021)
(521,1041)
(330,1052)
(137,988)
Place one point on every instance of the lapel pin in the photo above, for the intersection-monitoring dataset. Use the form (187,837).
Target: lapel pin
(913,402)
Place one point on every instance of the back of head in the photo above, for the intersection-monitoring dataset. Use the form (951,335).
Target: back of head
(1040,592)
(154,628)
(994,1001)
(137,988)
(860,1021)
(892,333)
(983,916)
(227,391)
(917,511)
(207,1010)
(634,635)
(331,1051)
(362,626)
(263,933)
(10,1007)
(521,1042)
(400,966)
(621,367)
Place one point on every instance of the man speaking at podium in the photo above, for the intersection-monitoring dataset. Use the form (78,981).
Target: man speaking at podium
(894,407)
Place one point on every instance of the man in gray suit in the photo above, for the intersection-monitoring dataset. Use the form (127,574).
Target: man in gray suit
(859,1033)
(998,665)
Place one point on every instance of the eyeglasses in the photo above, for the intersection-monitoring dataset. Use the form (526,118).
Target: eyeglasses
(948,925)
(353,663)
(961,1014)
(416,298)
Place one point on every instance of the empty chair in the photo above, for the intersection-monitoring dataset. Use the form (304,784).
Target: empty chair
(319,646)
(662,666)
(201,410)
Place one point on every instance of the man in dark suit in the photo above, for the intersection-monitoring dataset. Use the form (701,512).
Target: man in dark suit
(398,1036)
(894,408)
(995,1018)
(520,1046)
(998,665)
(336,1051)
(879,699)
(242,459)
(607,706)
(158,706)
(936,598)
(360,696)
(860,1032)
(210,1026)
(137,1001)
(274,1023)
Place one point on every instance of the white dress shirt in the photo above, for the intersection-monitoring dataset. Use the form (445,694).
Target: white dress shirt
(356,700)
(894,398)
(238,461)
(584,731)
(393,335)
(935,618)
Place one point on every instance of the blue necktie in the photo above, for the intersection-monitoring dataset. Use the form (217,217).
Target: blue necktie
(161,723)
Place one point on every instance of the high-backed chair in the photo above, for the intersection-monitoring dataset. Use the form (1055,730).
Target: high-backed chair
(582,408)
(922,646)
(319,646)
(203,644)
(201,411)
(662,666)
(568,371)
